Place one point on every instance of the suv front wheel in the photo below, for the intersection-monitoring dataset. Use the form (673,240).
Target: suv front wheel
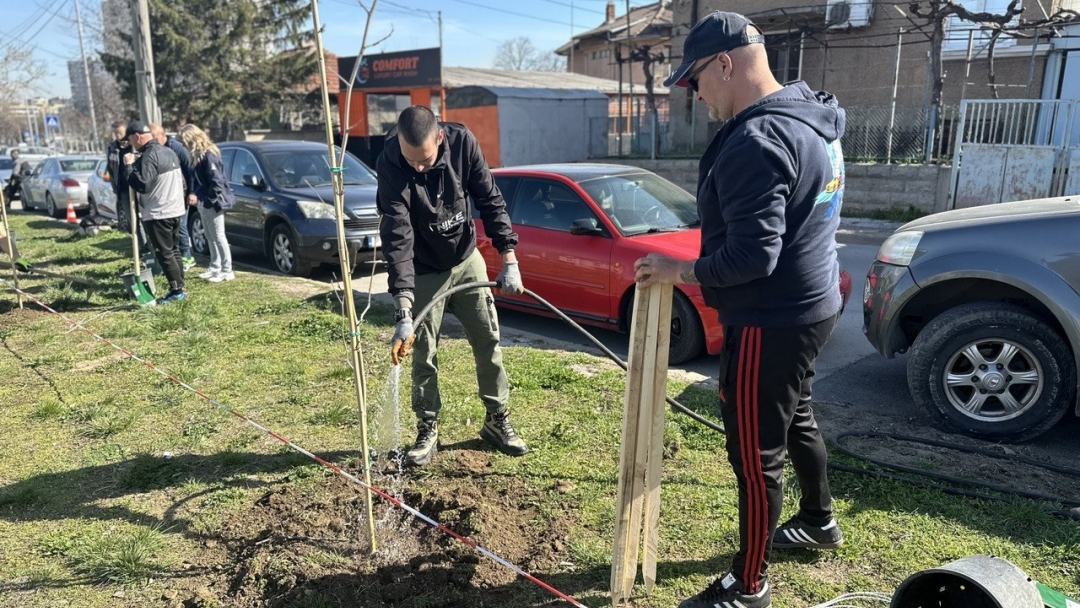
(993,370)
(284,255)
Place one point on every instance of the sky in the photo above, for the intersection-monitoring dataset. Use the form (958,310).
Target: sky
(472,29)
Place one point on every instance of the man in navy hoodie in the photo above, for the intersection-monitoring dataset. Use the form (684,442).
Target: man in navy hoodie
(769,192)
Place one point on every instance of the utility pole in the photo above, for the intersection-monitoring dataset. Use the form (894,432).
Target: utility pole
(630,77)
(44,123)
(570,68)
(29,120)
(442,81)
(146,88)
(895,83)
(86,73)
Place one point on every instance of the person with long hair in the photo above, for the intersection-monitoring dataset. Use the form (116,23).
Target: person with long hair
(212,193)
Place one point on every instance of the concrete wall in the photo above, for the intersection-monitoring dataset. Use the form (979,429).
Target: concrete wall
(869,186)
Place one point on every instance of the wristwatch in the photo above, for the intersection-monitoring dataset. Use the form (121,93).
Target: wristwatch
(402,313)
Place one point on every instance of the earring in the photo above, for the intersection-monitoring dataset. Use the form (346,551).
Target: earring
(727,78)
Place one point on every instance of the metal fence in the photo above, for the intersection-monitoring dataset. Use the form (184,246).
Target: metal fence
(869,138)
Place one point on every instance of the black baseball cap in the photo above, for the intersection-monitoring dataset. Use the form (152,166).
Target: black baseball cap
(136,127)
(719,32)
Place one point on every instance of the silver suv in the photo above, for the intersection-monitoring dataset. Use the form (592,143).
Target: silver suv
(986,302)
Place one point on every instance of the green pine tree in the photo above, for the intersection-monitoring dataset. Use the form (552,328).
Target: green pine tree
(226,66)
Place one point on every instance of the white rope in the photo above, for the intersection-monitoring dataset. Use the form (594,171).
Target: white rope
(862,599)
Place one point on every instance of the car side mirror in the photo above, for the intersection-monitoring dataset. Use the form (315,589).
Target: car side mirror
(586,225)
(253,181)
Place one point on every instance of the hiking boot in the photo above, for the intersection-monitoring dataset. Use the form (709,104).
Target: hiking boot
(728,592)
(173,295)
(498,432)
(426,444)
(188,262)
(797,534)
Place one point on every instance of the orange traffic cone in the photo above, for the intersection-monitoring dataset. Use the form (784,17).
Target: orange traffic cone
(71,219)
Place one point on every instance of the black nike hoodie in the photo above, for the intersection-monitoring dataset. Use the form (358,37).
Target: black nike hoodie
(770,187)
(426,223)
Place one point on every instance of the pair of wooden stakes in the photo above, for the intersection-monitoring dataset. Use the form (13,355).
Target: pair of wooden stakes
(637,502)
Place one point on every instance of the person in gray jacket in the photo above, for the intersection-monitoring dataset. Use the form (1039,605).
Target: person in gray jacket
(156,175)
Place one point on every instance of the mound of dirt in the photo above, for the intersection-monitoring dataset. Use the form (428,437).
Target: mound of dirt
(306,544)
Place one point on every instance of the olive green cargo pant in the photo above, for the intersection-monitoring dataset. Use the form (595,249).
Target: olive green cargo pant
(475,309)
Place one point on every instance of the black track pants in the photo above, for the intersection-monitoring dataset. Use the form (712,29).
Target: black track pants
(164,235)
(765,380)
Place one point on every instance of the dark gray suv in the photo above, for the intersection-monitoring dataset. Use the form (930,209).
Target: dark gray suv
(284,204)
(986,302)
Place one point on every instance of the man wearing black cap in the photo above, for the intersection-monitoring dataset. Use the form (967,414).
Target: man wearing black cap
(156,175)
(769,192)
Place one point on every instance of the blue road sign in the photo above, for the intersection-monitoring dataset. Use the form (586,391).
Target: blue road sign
(52,121)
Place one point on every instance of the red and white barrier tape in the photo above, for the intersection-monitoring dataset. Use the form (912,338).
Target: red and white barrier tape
(333,467)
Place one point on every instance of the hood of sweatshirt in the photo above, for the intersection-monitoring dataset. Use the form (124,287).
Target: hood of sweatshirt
(796,101)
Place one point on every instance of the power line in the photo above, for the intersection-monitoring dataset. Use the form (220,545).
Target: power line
(575,7)
(59,4)
(29,21)
(500,10)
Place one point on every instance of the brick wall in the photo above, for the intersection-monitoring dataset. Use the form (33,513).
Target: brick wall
(869,186)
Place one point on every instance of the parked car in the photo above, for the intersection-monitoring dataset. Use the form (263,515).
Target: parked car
(580,228)
(986,302)
(101,197)
(285,204)
(32,154)
(57,181)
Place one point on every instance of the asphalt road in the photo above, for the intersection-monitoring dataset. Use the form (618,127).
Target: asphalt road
(849,370)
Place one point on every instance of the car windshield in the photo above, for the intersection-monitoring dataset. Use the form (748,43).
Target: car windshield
(301,169)
(76,166)
(642,203)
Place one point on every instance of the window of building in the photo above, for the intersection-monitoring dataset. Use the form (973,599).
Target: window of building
(383,111)
(785,55)
(957,31)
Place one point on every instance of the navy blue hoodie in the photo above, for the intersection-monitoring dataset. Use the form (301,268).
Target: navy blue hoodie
(769,193)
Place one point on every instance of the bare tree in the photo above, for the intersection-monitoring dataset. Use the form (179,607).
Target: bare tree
(937,12)
(648,59)
(19,72)
(520,54)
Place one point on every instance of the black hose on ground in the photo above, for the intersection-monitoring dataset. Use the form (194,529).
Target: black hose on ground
(1073,513)
(607,351)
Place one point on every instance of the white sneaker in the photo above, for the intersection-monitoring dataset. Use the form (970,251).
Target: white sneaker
(209,274)
(217,278)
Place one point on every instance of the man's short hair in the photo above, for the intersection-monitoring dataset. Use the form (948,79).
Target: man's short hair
(117,124)
(15,153)
(417,124)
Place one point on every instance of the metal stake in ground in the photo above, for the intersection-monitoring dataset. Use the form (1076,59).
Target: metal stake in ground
(9,238)
(359,376)
(642,447)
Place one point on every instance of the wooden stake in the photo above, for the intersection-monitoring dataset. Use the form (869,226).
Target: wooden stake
(11,244)
(356,354)
(656,440)
(641,454)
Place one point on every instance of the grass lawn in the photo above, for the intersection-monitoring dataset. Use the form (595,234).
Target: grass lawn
(119,488)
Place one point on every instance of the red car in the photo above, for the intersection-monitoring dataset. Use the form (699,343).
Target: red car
(580,228)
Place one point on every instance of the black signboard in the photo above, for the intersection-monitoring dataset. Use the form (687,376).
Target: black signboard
(418,68)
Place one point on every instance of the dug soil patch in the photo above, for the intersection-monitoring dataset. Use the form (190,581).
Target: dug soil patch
(306,544)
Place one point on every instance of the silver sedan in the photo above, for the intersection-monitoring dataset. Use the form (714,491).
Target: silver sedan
(102,198)
(58,181)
